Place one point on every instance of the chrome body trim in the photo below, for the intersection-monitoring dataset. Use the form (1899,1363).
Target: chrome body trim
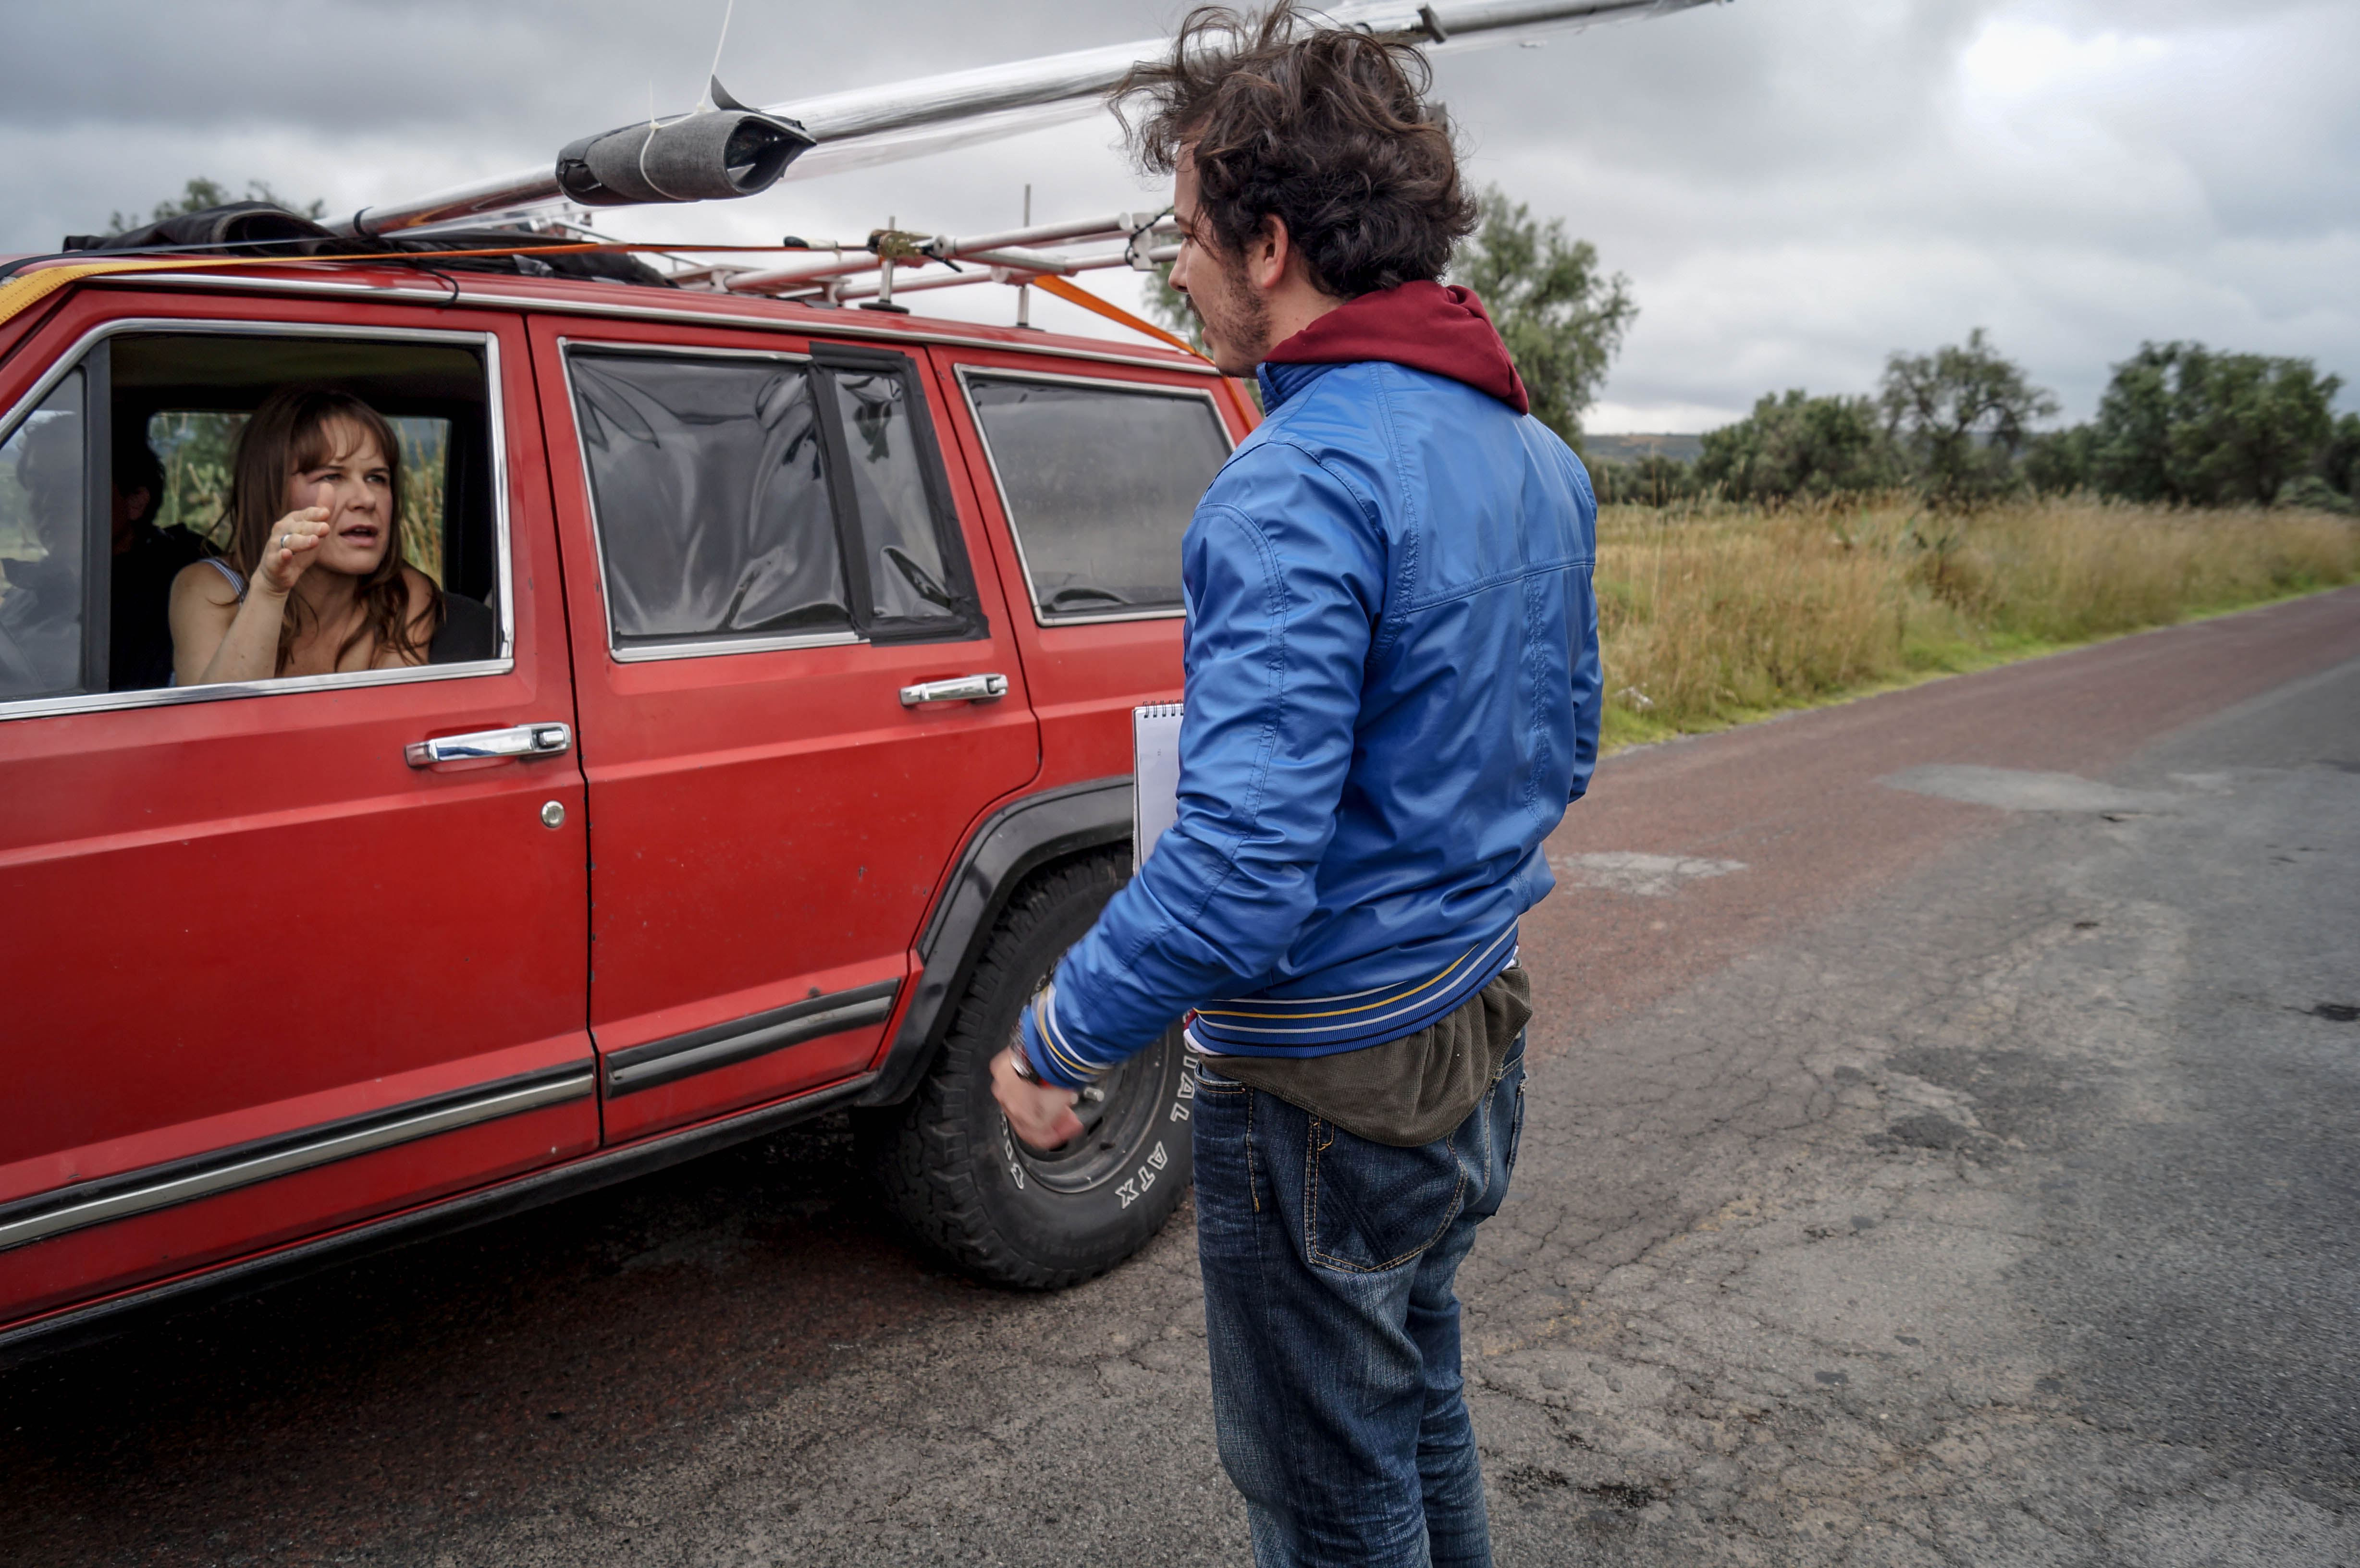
(1085,618)
(55,1213)
(495,408)
(220,690)
(742,1040)
(1016,534)
(1152,389)
(656,652)
(70,1326)
(680,351)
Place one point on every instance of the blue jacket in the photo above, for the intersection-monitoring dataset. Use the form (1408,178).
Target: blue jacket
(1392,692)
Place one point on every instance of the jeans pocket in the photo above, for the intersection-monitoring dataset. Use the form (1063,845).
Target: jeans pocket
(1210,1081)
(1372,1206)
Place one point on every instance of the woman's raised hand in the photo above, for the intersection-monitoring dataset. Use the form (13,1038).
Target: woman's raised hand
(294,545)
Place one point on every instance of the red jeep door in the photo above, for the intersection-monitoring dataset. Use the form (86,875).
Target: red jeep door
(270,970)
(796,698)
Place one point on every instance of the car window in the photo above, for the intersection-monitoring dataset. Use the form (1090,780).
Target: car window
(123,482)
(43,513)
(909,580)
(709,488)
(1098,482)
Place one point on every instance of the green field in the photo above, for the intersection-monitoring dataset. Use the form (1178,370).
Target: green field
(1714,614)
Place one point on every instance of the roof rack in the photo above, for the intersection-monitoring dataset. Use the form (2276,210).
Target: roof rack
(876,267)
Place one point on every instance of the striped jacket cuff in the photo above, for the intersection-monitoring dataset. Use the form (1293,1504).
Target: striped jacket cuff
(1051,1050)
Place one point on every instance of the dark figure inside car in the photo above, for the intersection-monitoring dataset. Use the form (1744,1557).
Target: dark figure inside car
(40,606)
(146,559)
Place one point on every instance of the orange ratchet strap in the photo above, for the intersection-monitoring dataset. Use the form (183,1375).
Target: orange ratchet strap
(1073,294)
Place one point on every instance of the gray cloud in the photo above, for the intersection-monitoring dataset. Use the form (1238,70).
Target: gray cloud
(1796,188)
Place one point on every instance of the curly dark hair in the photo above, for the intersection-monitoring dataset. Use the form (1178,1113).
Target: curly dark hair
(1324,128)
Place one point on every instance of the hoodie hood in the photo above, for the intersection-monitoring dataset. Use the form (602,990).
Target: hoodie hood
(1423,324)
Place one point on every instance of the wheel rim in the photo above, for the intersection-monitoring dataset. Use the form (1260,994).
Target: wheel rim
(1111,1127)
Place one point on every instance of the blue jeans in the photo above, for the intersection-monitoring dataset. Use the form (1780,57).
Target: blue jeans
(1334,1334)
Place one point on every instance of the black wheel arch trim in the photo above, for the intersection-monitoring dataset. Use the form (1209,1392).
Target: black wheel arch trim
(1013,843)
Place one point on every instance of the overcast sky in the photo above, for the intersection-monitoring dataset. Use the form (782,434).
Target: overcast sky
(1795,187)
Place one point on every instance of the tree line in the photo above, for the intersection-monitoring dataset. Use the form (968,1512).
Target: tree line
(2180,424)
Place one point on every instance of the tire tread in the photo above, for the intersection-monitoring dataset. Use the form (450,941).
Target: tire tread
(920,1151)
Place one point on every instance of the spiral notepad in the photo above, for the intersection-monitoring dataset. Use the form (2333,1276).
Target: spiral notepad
(1155,775)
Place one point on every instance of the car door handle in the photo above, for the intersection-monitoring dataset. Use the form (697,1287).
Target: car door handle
(518,740)
(963,689)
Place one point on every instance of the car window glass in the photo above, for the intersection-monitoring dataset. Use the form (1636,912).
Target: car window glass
(180,404)
(175,408)
(1099,483)
(711,498)
(906,576)
(42,514)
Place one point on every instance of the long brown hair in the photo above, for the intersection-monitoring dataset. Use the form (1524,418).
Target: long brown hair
(293,432)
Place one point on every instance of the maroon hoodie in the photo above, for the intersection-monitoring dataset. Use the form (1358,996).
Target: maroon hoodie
(1423,324)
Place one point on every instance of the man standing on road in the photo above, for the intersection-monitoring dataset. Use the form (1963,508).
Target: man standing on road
(1392,693)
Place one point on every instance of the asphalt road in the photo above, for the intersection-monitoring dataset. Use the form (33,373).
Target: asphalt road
(1940,1149)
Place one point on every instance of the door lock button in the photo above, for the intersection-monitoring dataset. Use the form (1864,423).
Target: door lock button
(552,815)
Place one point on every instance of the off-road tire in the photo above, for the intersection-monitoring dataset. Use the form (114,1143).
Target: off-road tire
(958,1176)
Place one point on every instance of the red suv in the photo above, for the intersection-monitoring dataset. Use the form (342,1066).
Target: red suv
(774,745)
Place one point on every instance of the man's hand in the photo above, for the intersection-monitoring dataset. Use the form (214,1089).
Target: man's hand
(1039,1114)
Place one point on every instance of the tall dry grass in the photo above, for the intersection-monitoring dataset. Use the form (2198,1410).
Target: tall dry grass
(1717,614)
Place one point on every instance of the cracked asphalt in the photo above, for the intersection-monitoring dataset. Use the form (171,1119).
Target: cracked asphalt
(1940,1149)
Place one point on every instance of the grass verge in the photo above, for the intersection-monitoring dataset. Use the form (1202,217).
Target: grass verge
(1713,615)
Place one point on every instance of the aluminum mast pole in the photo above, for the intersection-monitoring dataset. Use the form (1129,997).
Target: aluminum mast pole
(1020,94)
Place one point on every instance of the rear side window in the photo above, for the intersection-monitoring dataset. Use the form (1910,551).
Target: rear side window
(759,500)
(888,477)
(713,517)
(1098,481)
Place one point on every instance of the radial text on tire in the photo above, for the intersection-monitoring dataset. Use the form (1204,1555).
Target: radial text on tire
(993,1207)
